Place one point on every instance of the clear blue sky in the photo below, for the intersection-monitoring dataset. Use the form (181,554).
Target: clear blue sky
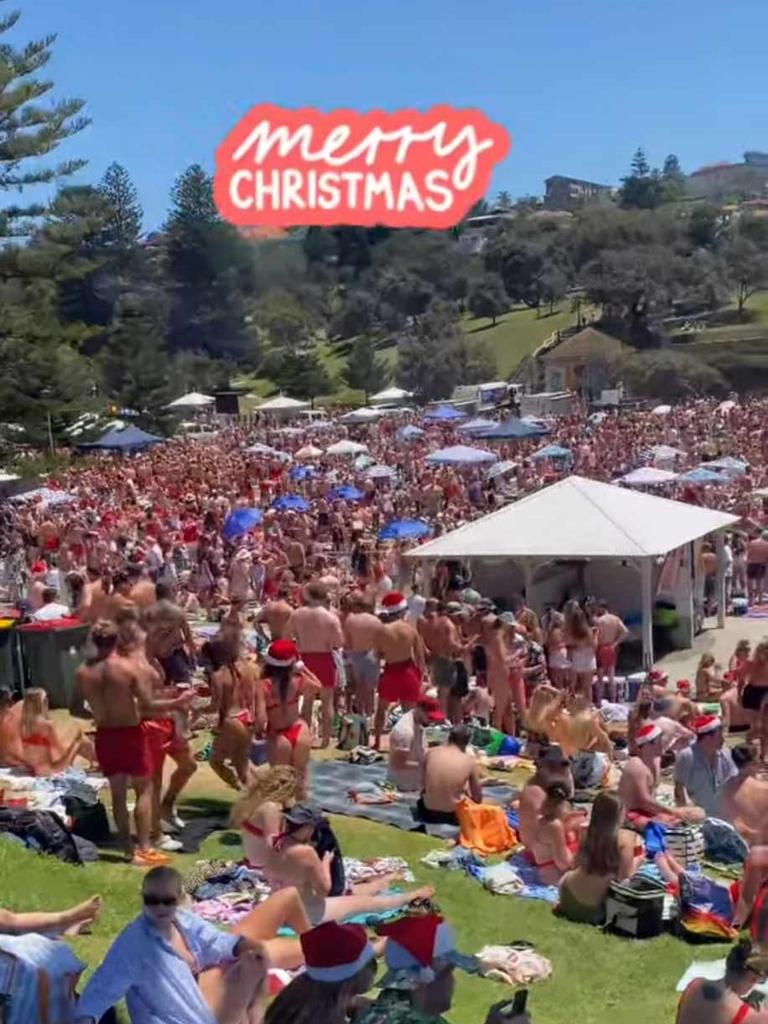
(578,85)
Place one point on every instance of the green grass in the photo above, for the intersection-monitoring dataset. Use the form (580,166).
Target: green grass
(516,334)
(593,975)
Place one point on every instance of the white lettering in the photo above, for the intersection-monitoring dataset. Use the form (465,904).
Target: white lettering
(328,185)
(377,186)
(263,190)
(292,182)
(409,193)
(241,202)
(436,182)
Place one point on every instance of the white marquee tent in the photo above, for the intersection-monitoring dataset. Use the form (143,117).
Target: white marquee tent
(281,405)
(192,400)
(389,395)
(581,519)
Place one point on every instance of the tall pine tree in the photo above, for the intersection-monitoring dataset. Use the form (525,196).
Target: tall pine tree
(125,213)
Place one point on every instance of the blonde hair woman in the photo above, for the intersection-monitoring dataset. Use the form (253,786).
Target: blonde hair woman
(44,751)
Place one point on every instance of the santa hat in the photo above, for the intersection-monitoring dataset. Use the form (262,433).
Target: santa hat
(334,953)
(393,602)
(647,734)
(282,653)
(705,724)
(413,946)
(39,568)
(657,676)
(683,686)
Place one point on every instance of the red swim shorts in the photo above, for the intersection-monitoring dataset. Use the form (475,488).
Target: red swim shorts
(606,656)
(123,751)
(159,734)
(323,664)
(400,683)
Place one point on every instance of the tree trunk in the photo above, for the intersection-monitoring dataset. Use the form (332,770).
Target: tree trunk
(493,320)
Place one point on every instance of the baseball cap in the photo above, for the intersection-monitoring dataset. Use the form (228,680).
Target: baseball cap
(432,709)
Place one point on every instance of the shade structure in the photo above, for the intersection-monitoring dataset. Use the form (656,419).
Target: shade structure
(128,439)
(309,451)
(393,394)
(346,493)
(501,469)
(478,423)
(346,448)
(7,478)
(288,502)
(580,518)
(665,453)
(302,473)
(46,496)
(404,529)
(511,429)
(443,414)
(363,415)
(728,464)
(192,400)
(282,404)
(409,433)
(552,451)
(363,461)
(380,472)
(661,410)
(703,476)
(260,449)
(648,476)
(241,521)
(460,455)
(725,407)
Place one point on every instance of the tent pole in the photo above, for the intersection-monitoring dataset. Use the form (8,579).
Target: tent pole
(720,580)
(646,579)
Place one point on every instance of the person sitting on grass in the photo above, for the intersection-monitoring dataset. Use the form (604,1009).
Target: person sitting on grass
(722,1002)
(51,922)
(703,769)
(552,766)
(161,963)
(637,786)
(450,773)
(278,839)
(43,750)
(743,800)
(556,840)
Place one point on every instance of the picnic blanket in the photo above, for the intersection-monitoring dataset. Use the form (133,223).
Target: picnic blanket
(332,780)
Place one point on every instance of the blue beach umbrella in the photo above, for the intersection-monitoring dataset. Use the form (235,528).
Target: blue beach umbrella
(346,493)
(241,521)
(289,502)
(404,529)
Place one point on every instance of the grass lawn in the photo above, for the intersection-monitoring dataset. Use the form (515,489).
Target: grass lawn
(516,334)
(593,973)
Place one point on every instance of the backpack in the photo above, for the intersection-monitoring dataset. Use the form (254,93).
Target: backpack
(43,831)
(484,827)
(635,910)
(353,732)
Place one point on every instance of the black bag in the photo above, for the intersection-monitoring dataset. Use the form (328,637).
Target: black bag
(635,910)
(88,820)
(41,830)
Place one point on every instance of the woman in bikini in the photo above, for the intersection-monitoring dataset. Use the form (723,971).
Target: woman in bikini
(276,840)
(557,653)
(43,750)
(722,1002)
(753,696)
(581,640)
(285,681)
(557,837)
(233,681)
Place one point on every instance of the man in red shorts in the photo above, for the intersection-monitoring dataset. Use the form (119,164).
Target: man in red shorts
(116,696)
(610,633)
(317,631)
(401,648)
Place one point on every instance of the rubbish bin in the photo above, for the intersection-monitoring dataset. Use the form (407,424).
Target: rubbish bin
(51,654)
(9,674)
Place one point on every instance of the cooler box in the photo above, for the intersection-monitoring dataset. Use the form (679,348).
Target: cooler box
(51,654)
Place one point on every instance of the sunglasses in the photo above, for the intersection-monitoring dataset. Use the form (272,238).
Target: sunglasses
(160,901)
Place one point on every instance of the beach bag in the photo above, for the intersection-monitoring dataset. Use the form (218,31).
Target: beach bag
(353,732)
(635,910)
(706,910)
(89,821)
(484,828)
(686,844)
(42,831)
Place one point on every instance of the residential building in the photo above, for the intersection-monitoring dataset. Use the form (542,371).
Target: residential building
(564,193)
(586,363)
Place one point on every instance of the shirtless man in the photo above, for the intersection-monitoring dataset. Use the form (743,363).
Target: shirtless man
(637,786)
(142,589)
(450,773)
(399,645)
(443,642)
(317,631)
(744,798)
(116,695)
(552,767)
(275,614)
(610,633)
(361,628)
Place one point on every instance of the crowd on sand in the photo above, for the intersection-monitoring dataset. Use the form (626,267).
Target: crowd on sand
(312,622)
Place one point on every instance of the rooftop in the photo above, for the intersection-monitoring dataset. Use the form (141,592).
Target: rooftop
(588,344)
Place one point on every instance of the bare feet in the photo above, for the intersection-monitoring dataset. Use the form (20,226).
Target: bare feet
(426,892)
(82,915)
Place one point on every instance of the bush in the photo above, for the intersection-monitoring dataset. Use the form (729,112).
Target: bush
(669,376)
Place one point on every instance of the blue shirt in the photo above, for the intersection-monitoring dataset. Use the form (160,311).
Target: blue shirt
(702,778)
(157,983)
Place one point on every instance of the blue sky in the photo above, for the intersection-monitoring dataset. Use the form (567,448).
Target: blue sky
(578,84)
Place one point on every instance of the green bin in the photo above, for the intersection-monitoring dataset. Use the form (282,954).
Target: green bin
(51,654)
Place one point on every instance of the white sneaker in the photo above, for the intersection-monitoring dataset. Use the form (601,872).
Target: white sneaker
(172,824)
(168,845)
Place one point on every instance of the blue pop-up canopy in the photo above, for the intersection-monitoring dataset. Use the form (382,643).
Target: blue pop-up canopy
(443,414)
(128,439)
(404,529)
(241,521)
(346,493)
(409,433)
(552,451)
(702,476)
(302,472)
(291,501)
(510,429)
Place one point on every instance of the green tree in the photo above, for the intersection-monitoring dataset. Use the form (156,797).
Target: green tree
(364,370)
(672,180)
(671,376)
(476,362)
(642,188)
(29,129)
(283,320)
(125,214)
(553,285)
(703,225)
(504,200)
(488,297)
(299,374)
(746,268)
(192,200)
(428,355)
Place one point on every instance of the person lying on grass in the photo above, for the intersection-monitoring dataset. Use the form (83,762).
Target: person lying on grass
(52,923)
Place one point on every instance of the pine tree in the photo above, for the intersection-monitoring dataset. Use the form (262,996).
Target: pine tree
(125,213)
(30,130)
(364,371)
(192,199)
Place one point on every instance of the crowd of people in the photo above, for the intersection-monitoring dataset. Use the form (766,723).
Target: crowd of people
(308,620)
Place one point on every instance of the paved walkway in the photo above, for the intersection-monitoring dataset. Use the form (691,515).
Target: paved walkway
(720,642)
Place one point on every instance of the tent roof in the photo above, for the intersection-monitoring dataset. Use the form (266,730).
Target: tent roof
(588,344)
(580,518)
(123,440)
(192,400)
(392,394)
(282,402)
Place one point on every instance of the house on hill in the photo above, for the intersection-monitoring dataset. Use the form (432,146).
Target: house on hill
(586,363)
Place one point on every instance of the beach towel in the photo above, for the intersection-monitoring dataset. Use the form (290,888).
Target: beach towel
(484,828)
(706,910)
(519,966)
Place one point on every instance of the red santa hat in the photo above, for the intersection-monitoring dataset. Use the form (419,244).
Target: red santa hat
(413,946)
(282,653)
(334,953)
(393,602)
(39,567)
(647,734)
(706,724)
(683,686)
(657,676)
